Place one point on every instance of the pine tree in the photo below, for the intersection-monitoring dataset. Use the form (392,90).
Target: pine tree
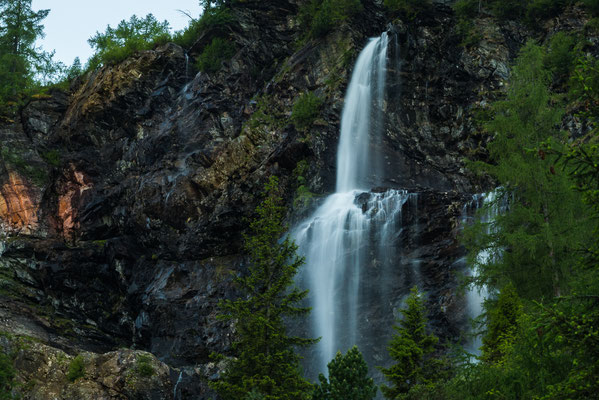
(264,362)
(348,379)
(534,244)
(115,44)
(502,322)
(20,27)
(411,348)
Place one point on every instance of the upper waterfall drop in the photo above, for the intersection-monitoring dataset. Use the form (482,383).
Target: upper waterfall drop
(363,106)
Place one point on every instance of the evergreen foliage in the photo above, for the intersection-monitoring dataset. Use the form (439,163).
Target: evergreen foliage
(264,362)
(411,348)
(214,19)
(319,17)
(7,377)
(143,366)
(410,7)
(76,369)
(542,337)
(348,379)
(116,44)
(502,323)
(305,110)
(531,12)
(534,245)
(561,56)
(20,60)
(213,55)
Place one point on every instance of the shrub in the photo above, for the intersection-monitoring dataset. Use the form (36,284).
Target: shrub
(216,19)
(52,157)
(214,54)
(76,369)
(543,9)
(508,9)
(7,377)
(412,8)
(305,110)
(143,366)
(592,6)
(318,17)
(561,55)
(466,8)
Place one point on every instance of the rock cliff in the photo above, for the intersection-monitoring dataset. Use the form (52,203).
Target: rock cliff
(122,201)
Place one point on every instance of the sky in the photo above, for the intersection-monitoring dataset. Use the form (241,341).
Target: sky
(71,22)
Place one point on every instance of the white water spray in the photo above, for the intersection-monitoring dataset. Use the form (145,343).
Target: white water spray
(352,236)
(476,296)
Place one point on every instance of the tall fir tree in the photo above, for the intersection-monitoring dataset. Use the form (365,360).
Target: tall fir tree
(535,243)
(502,323)
(264,362)
(348,379)
(20,60)
(411,348)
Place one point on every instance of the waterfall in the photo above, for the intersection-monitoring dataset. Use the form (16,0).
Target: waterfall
(350,241)
(492,204)
(363,101)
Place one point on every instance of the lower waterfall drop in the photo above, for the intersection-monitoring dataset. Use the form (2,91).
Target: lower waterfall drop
(492,204)
(351,239)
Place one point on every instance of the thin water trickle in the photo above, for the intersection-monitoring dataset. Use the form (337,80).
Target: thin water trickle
(175,397)
(186,67)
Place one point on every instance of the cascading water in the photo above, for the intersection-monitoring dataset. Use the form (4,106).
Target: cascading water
(351,239)
(476,296)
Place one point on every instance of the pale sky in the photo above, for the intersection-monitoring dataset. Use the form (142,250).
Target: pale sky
(71,22)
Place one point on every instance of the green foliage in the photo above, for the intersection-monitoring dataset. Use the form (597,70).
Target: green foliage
(7,377)
(348,379)
(20,61)
(210,4)
(14,158)
(410,7)
(303,195)
(561,56)
(534,244)
(466,9)
(319,17)
(305,110)
(411,348)
(74,70)
(592,6)
(538,10)
(264,361)
(76,369)
(143,366)
(547,241)
(502,323)
(531,12)
(267,114)
(213,55)
(52,157)
(116,44)
(216,20)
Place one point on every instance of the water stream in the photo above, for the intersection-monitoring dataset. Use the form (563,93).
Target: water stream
(492,205)
(351,239)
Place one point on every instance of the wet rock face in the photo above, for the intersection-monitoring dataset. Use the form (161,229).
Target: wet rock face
(433,93)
